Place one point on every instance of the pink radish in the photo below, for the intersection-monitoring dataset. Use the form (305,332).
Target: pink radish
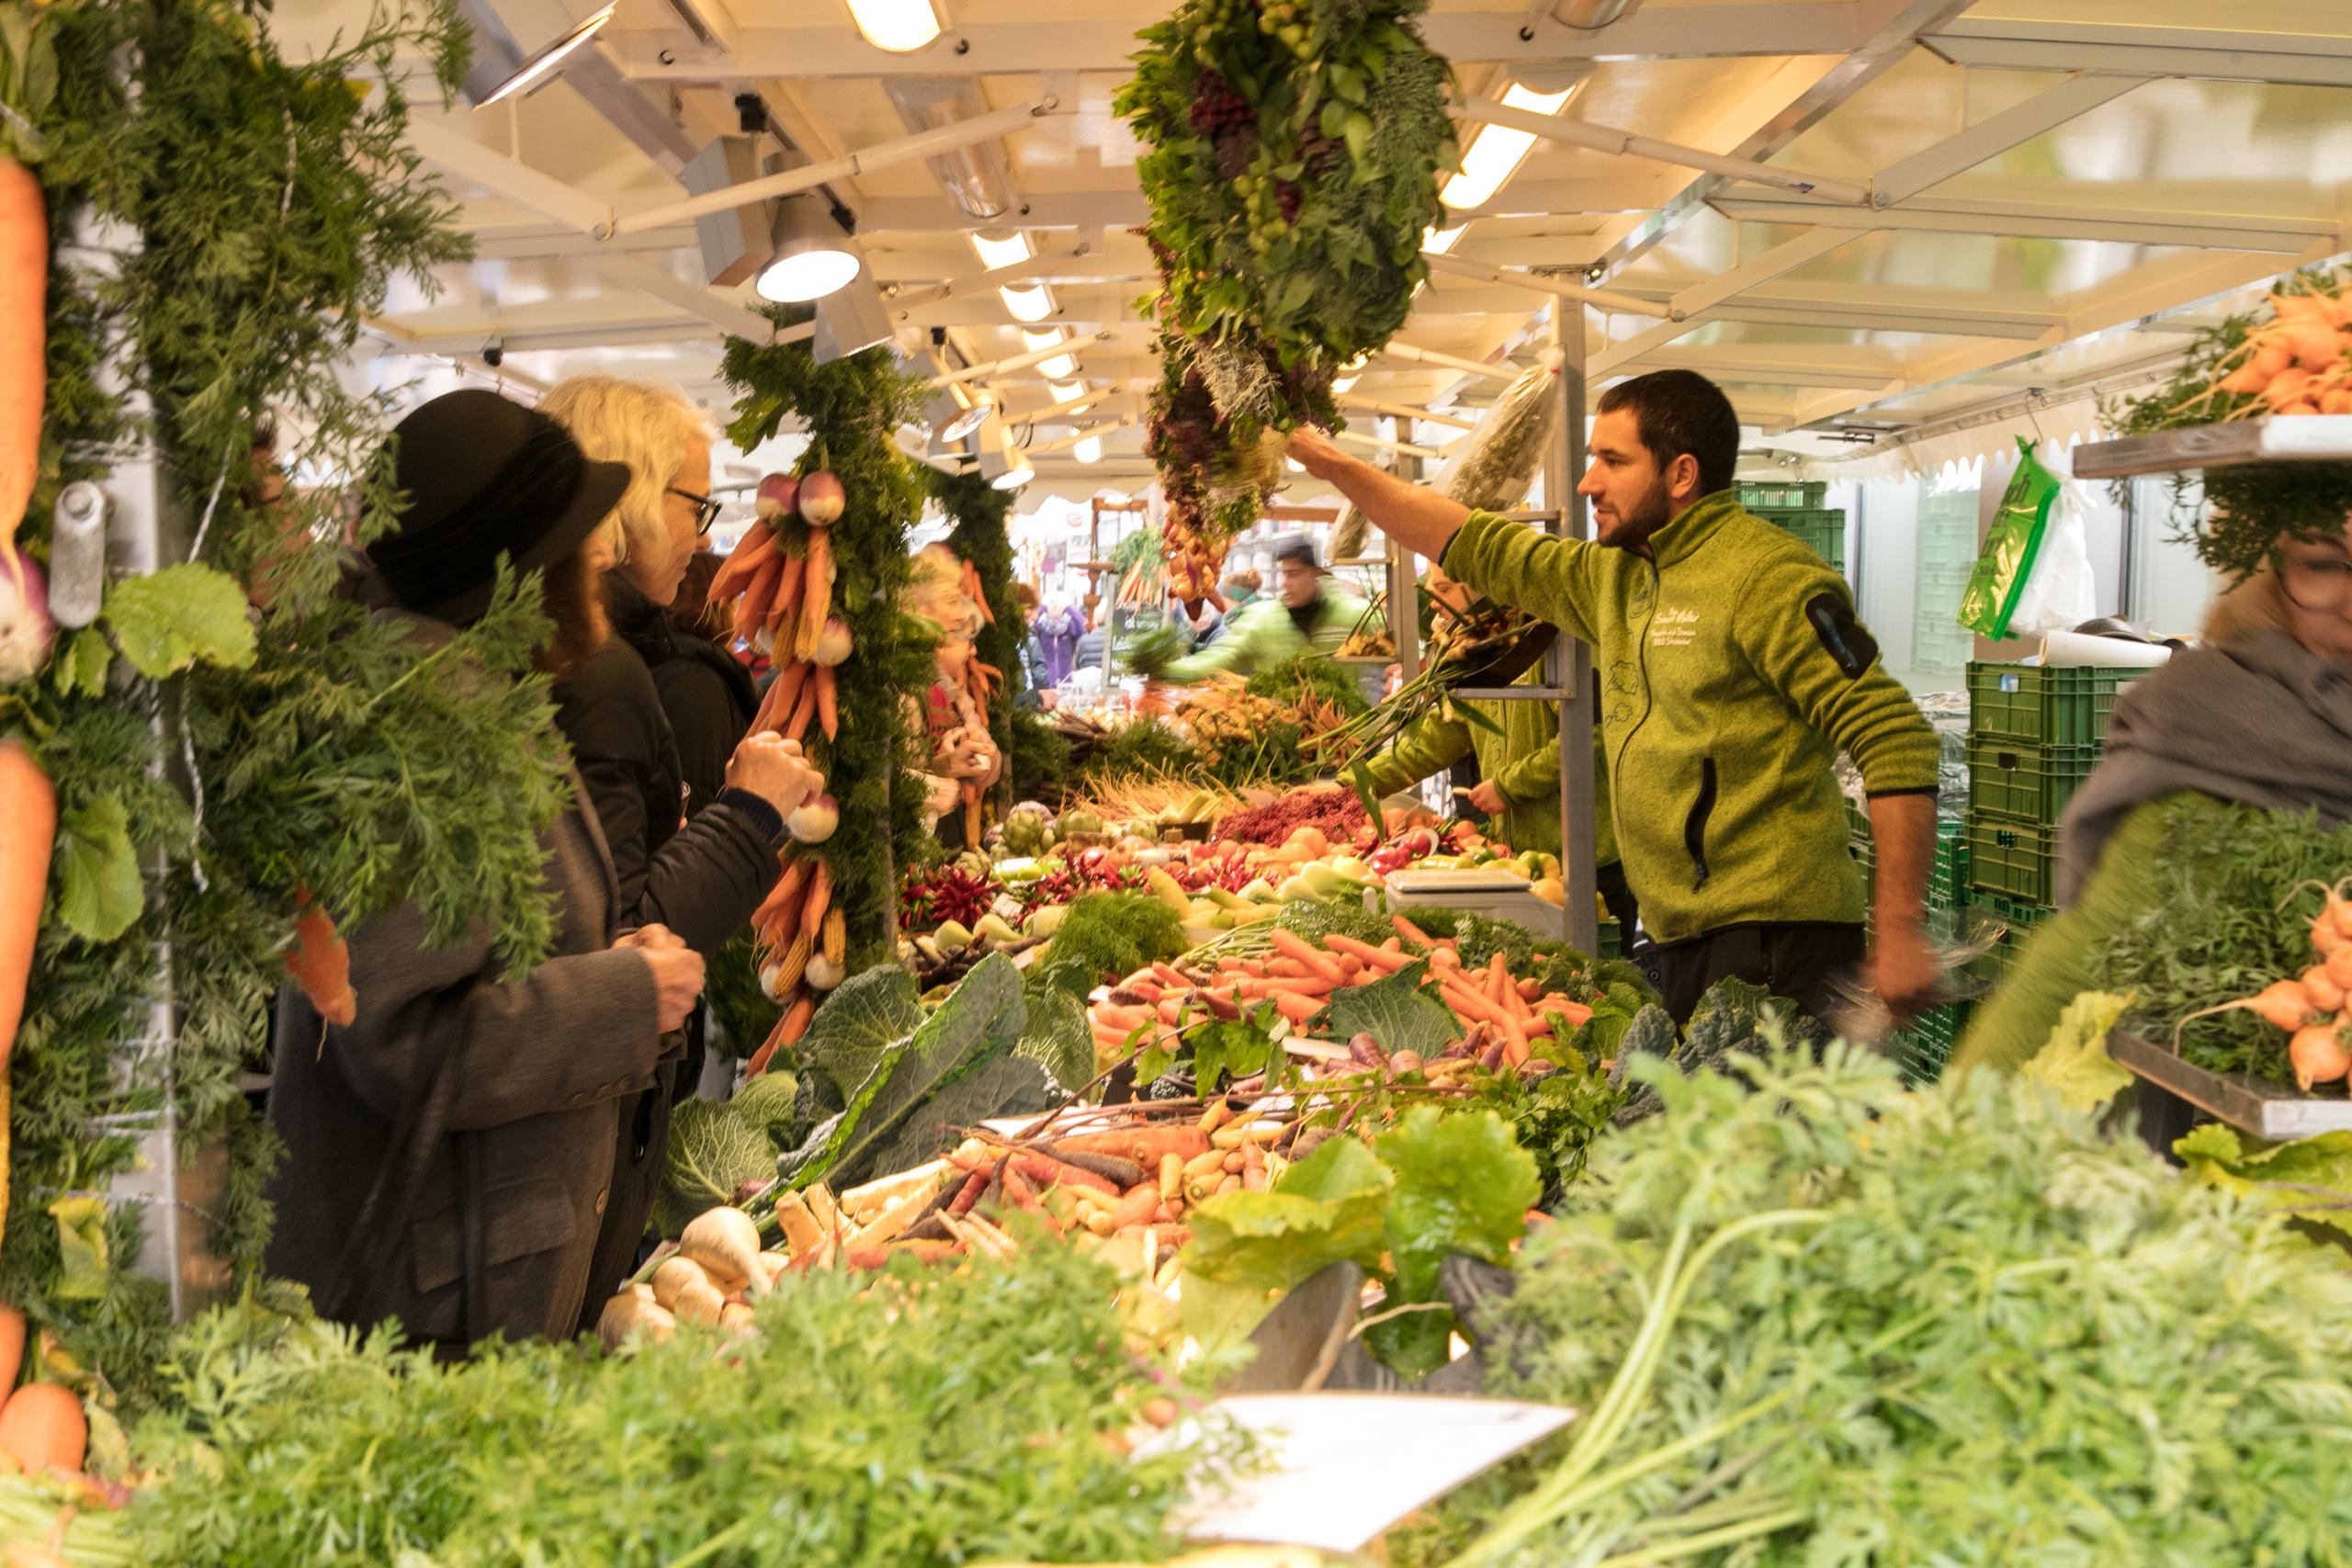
(2318,1054)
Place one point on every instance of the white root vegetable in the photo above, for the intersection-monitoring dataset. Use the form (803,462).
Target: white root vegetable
(726,1242)
(700,1304)
(676,1274)
(802,1230)
(629,1315)
(734,1315)
(772,1267)
(813,821)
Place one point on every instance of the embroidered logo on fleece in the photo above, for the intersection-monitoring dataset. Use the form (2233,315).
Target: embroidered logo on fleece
(1674,627)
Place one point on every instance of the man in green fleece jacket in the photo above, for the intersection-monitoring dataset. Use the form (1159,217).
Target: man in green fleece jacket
(1310,611)
(1733,672)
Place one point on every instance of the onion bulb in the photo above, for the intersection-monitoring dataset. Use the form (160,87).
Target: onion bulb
(26,630)
(833,643)
(775,496)
(768,974)
(822,973)
(814,821)
(821,497)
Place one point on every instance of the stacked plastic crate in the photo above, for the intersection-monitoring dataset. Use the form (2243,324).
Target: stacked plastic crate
(1796,505)
(1921,1050)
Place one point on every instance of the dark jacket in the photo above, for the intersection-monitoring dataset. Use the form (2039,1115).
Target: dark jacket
(702,880)
(538,1073)
(706,694)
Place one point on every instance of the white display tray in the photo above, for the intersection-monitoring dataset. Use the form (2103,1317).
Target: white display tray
(2298,438)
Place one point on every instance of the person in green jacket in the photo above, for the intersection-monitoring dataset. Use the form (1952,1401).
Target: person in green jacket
(1519,769)
(1310,611)
(1733,672)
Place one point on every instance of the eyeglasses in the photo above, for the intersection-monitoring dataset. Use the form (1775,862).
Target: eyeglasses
(706,508)
(2322,583)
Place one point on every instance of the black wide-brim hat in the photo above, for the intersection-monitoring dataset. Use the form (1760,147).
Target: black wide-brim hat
(482,476)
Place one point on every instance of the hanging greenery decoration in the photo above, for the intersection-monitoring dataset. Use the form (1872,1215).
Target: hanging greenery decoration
(851,409)
(257,211)
(1296,146)
(2287,360)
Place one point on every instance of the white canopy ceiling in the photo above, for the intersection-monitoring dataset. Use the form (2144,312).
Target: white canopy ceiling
(2048,191)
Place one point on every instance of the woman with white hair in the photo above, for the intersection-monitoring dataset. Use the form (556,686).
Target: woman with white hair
(701,878)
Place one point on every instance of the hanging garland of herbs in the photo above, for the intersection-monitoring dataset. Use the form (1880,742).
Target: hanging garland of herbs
(1296,146)
(262,210)
(981,537)
(851,409)
(2249,367)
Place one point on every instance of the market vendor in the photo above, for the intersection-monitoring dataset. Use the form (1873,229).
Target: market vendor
(2260,714)
(1519,771)
(1733,671)
(962,760)
(1310,610)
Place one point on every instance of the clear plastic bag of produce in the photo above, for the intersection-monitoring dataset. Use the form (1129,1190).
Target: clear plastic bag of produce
(1957,939)
(1497,462)
(2005,564)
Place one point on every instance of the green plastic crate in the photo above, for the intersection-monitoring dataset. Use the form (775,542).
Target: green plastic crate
(1921,1050)
(1759,495)
(1823,533)
(1612,939)
(2021,919)
(2026,783)
(2043,704)
(2013,860)
(1948,881)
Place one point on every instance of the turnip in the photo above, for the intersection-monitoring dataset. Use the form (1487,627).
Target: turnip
(833,644)
(822,498)
(822,973)
(2325,994)
(775,496)
(26,630)
(2282,1004)
(726,1242)
(813,821)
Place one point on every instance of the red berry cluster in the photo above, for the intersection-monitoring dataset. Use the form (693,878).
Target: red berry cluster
(1216,106)
(1289,197)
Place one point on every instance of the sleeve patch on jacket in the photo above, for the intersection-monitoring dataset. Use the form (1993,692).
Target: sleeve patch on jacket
(1848,641)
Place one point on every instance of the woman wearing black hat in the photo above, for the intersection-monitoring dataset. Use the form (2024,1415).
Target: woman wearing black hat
(450,1153)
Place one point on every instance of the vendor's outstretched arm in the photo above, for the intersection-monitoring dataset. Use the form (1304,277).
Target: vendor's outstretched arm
(1420,519)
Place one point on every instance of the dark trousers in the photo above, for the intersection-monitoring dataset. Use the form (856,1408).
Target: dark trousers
(1796,961)
(1609,882)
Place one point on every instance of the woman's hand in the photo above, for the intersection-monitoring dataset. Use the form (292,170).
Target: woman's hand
(774,769)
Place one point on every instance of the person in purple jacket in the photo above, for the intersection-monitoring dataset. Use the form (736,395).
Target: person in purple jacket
(1058,626)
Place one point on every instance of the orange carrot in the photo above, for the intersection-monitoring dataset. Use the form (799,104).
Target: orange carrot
(820,894)
(29,807)
(321,962)
(1295,1007)
(776,706)
(1408,930)
(1048,1171)
(756,545)
(43,1427)
(1144,1145)
(788,1031)
(819,595)
(24,295)
(1291,945)
(759,593)
(829,708)
(1373,957)
(802,712)
(12,1347)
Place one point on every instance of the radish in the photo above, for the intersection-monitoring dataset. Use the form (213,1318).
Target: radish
(2318,1054)
(2325,994)
(2282,1004)
(821,497)
(775,496)
(814,820)
(25,630)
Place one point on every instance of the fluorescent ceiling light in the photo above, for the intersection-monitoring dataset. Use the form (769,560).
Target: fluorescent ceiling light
(1029,304)
(813,257)
(1089,450)
(898,25)
(1003,250)
(1442,240)
(541,68)
(1061,368)
(1495,152)
(1064,392)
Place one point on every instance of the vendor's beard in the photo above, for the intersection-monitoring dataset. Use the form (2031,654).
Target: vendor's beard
(1655,512)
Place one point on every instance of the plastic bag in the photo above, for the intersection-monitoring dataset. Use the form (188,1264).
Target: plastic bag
(2061,593)
(2005,564)
(1495,466)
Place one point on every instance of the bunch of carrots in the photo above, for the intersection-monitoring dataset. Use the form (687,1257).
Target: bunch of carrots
(981,680)
(2315,1008)
(795,927)
(783,604)
(2299,363)
(1299,979)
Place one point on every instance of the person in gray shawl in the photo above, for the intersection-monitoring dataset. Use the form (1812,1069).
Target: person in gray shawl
(2259,714)
(450,1152)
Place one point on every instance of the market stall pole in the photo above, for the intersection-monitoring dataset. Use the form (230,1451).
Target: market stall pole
(1567,664)
(140,504)
(2242,1100)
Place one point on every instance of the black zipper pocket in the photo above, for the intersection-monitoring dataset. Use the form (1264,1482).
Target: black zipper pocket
(1694,827)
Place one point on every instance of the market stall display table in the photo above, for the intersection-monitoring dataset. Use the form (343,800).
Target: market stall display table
(2244,1102)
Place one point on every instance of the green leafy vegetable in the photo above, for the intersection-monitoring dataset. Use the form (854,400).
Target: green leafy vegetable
(1394,1010)
(2074,1063)
(81,663)
(1105,936)
(1462,1185)
(99,893)
(861,1018)
(1004,1086)
(1059,1039)
(1245,1245)
(2310,1174)
(171,619)
(765,1105)
(712,1151)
